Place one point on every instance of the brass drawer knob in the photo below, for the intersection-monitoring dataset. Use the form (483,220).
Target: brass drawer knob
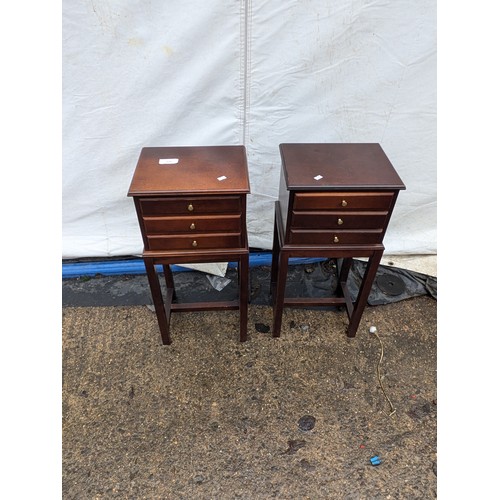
(344,203)
(190,207)
(340,222)
(192,226)
(336,239)
(195,244)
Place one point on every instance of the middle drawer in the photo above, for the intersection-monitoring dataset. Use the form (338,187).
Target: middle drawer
(195,223)
(338,220)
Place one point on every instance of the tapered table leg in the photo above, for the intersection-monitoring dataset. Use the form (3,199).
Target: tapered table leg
(243,280)
(161,315)
(364,292)
(169,279)
(274,261)
(343,268)
(280,292)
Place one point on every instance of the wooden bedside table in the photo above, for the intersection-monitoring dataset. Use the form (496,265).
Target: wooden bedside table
(335,201)
(191,207)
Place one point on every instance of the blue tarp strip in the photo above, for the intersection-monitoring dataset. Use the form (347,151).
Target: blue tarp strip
(136,266)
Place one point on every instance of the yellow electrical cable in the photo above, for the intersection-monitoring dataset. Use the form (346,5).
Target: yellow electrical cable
(374,330)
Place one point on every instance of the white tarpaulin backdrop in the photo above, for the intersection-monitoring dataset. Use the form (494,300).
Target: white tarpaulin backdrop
(258,73)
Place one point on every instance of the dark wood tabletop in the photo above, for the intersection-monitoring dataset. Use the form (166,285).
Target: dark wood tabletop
(190,169)
(362,166)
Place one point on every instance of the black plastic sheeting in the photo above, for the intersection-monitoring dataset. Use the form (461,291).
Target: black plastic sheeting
(306,280)
(407,283)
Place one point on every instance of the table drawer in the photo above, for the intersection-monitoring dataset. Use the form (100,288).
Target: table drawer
(190,205)
(195,241)
(364,237)
(190,224)
(343,201)
(338,220)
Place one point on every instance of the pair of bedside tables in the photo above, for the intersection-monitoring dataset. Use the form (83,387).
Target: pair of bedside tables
(335,201)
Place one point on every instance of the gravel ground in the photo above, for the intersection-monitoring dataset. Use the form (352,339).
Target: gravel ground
(209,417)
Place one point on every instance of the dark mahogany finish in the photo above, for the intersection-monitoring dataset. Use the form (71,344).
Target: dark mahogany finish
(191,207)
(335,201)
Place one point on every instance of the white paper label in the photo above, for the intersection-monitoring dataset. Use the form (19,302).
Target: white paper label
(168,161)
(222,178)
(318,177)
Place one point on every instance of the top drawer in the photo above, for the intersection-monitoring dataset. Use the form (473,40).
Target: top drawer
(343,200)
(190,205)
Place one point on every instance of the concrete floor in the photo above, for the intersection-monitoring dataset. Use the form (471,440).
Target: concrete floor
(210,417)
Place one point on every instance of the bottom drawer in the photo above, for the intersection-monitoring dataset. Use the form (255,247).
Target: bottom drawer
(195,242)
(365,237)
